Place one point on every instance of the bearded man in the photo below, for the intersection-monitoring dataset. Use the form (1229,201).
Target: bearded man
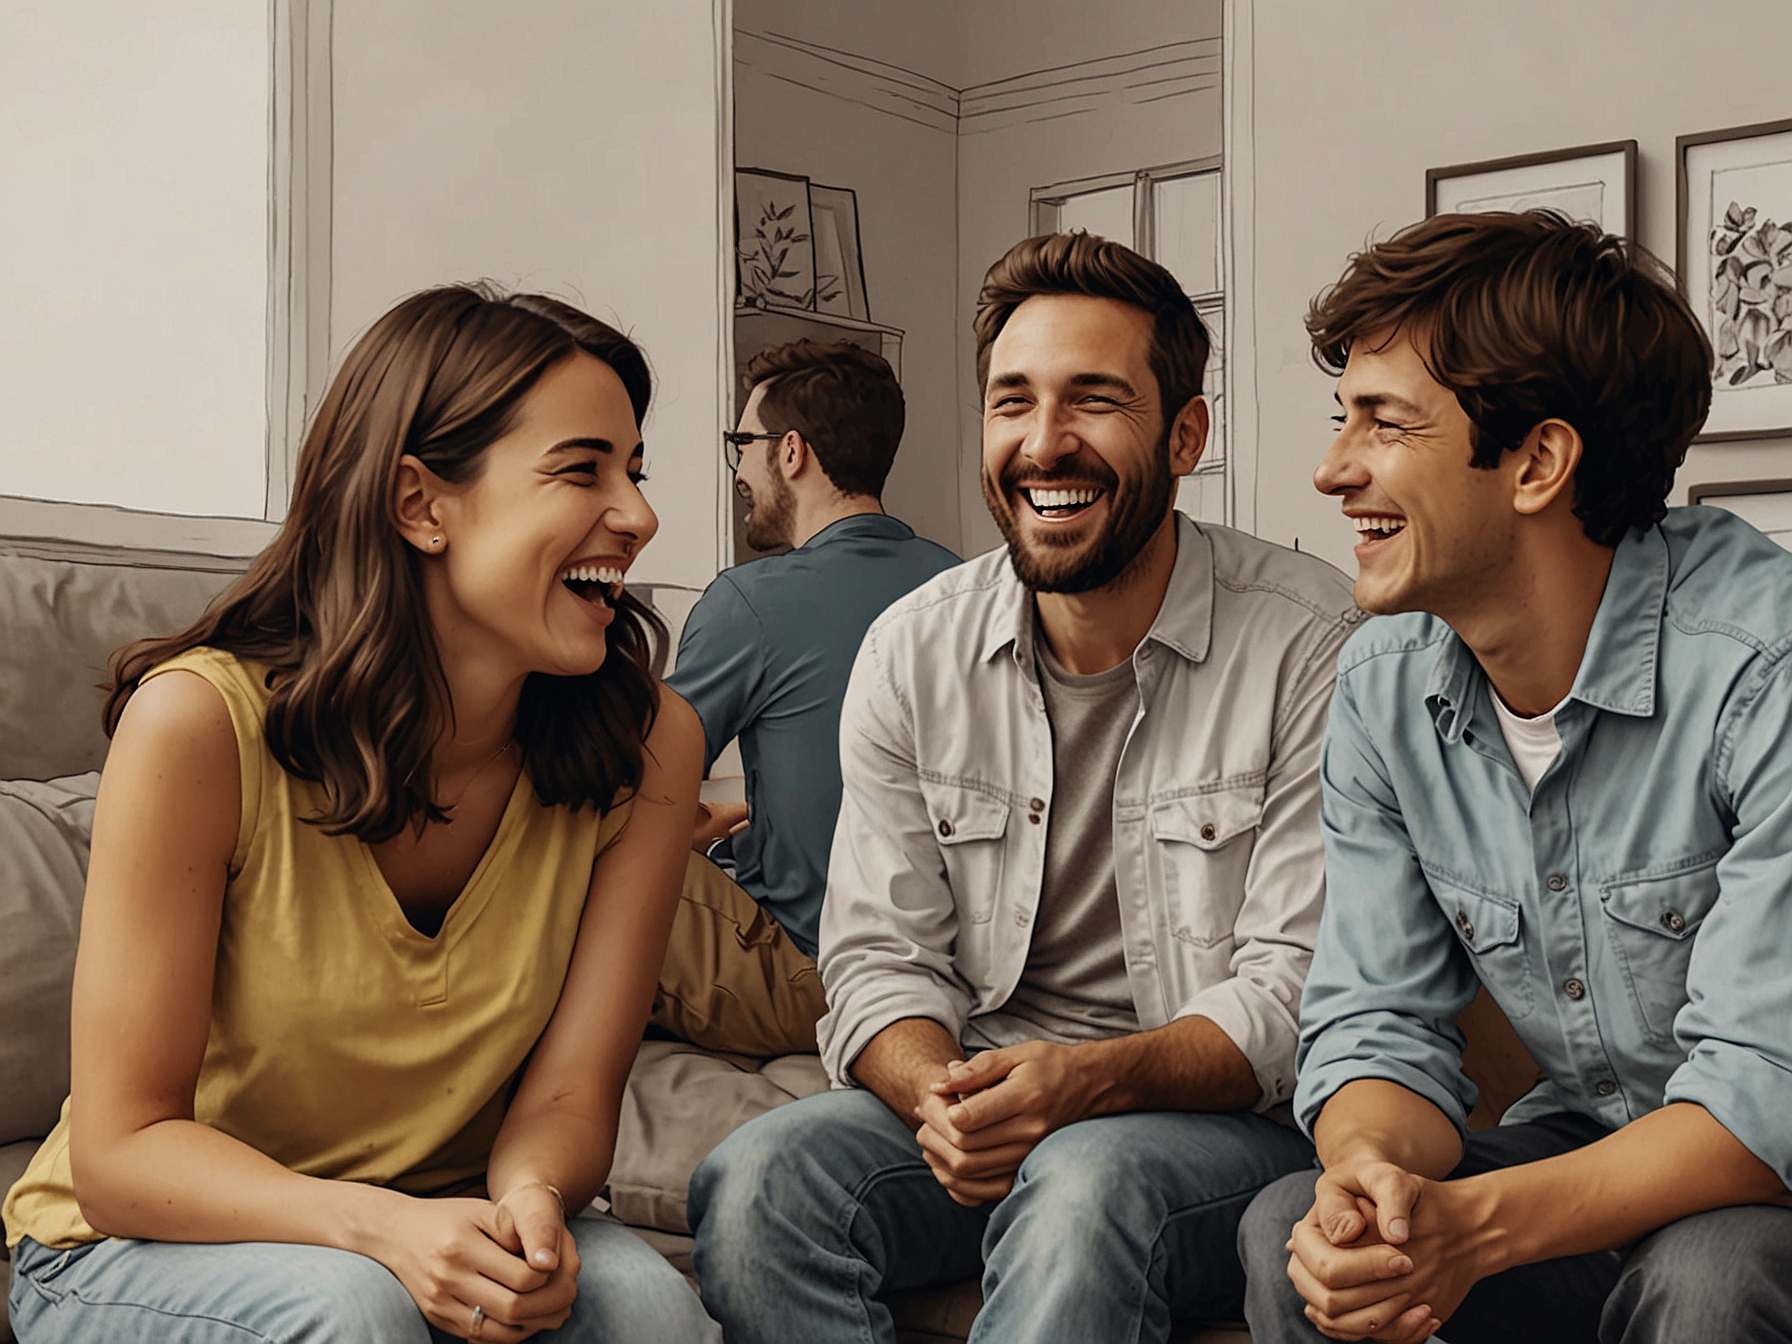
(1076,878)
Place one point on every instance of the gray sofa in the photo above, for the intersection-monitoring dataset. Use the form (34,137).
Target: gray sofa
(63,609)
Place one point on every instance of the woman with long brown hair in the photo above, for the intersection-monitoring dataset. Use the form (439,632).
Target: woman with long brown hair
(384,859)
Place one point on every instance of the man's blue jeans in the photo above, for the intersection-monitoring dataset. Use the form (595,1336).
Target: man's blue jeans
(139,1292)
(806,1216)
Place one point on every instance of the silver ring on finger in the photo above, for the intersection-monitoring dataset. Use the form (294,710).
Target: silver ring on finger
(478,1322)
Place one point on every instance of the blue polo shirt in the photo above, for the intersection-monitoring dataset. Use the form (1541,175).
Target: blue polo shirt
(1633,917)
(764,657)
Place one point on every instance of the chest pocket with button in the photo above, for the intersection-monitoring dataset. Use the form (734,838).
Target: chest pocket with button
(1650,923)
(970,827)
(1204,844)
(1490,928)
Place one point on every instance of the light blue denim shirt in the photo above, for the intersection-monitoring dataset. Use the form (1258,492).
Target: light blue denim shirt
(1634,917)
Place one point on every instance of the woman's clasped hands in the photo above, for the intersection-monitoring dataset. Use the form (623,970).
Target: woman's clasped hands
(483,1270)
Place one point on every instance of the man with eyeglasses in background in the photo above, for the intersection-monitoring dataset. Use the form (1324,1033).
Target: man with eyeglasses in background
(765,657)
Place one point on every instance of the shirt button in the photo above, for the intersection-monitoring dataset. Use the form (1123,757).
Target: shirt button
(1036,804)
(1463,923)
(945,827)
(1557,882)
(1606,1087)
(1673,921)
(1207,831)
(1033,817)
(1574,989)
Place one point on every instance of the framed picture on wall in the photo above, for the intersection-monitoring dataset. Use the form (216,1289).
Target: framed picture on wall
(774,239)
(839,264)
(1765,505)
(1595,183)
(1734,248)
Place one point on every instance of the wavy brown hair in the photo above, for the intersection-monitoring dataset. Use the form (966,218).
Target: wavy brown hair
(1531,317)
(334,607)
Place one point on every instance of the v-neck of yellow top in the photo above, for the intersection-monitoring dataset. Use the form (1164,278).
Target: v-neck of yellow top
(471,898)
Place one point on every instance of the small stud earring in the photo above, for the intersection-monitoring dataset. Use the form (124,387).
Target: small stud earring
(435,541)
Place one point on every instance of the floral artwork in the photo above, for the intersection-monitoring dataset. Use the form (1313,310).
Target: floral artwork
(1751,298)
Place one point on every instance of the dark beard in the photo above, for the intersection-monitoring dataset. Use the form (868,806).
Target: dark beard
(1134,516)
(769,521)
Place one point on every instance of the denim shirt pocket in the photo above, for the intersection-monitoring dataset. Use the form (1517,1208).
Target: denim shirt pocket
(1650,922)
(970,826)
(1204,842)
(1491,928)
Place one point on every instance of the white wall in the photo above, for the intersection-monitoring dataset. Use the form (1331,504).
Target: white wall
(134,253)
(1061,92)
(1354,102)
(562,146)
(852,125)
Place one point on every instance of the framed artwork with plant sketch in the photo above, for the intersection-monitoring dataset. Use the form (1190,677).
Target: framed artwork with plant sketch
(1734,246)
(774,240)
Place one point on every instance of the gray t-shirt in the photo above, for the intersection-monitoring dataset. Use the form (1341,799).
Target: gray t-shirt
(1074,987)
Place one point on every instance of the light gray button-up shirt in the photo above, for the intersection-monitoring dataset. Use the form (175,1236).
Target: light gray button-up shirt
(946,759)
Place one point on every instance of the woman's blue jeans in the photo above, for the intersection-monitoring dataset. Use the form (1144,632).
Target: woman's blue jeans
(807,1215)
(157,1292)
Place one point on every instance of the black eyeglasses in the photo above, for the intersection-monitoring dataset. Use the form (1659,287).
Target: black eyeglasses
(733,440)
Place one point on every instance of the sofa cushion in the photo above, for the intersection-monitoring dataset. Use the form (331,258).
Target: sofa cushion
(681,1101)
(63,619)
(44,829)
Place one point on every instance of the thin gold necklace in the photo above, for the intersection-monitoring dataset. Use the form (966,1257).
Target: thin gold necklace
(473,778)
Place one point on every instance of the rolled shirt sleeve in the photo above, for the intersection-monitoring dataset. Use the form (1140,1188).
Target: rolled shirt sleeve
(1259,1006)
(1736,1026)
(889,923)
(1388,976)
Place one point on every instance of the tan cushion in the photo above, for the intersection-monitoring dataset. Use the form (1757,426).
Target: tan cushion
(681,1102)
(62,620)
(43,869)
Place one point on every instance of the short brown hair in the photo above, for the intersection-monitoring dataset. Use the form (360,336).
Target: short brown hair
(1530,317)
(1082,263)
(844,401)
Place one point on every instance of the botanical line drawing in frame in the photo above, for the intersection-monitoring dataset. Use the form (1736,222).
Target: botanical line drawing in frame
(1733,246)
(774,247)
(1595,183)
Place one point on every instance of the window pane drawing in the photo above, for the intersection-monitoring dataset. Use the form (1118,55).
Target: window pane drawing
(1106,213)
(1180,205)
(1185,213)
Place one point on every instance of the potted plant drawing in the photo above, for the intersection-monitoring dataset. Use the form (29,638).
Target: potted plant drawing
(1751,297)
(772,256)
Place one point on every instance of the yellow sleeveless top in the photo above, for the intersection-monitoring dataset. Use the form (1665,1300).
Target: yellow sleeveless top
(344,1043)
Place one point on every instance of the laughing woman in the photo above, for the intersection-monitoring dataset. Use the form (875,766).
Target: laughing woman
(384,859)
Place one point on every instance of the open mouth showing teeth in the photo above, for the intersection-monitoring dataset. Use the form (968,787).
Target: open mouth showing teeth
(593,583)
(1377,529)
(1062,503)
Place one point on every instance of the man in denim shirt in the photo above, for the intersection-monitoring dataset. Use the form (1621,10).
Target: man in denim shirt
(1075,881)
(1564,773)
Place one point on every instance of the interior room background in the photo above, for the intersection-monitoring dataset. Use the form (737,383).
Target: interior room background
(207,203)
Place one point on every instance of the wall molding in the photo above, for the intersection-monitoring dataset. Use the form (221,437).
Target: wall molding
(105,533)
(1174,70)
(1238,226)
(853,79)
(301,151)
